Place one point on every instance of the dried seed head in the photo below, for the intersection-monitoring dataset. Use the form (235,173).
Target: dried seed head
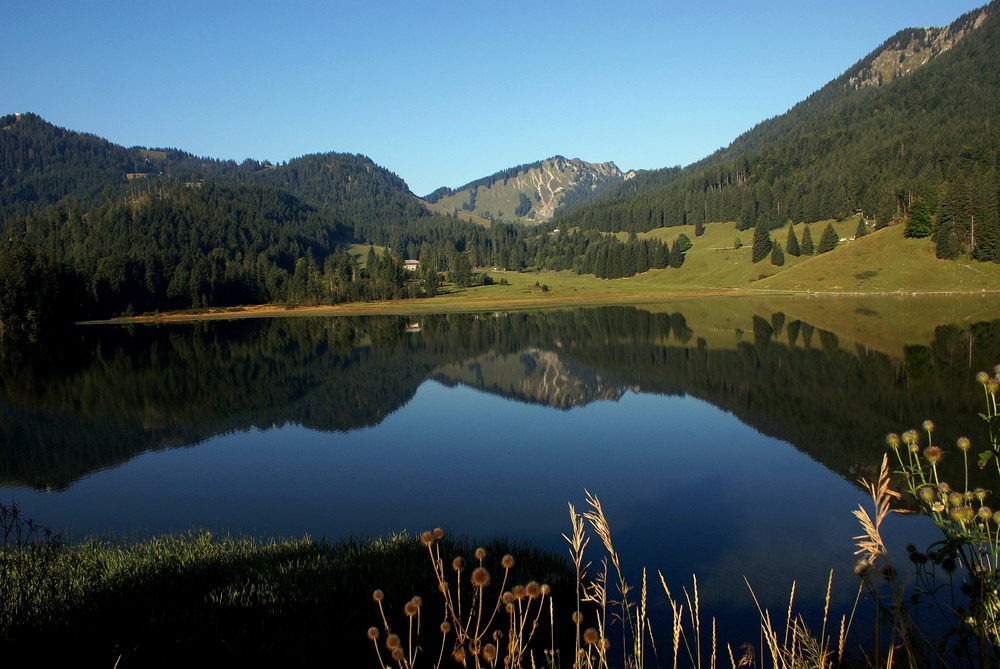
(507,562)
(378,595)
(480,577)
(392,641)
(426,538)
(980,494)
(577,617)
(910,437)
(372,633)
(497,635)
(933,454)
(963,514)
(509,609)
(398,655)
(546,589)
(991,386)
(445,627)
(438,534)
(982,377)
(928,426)
(955,499)
(459,655)
(507,597)
(985,514)
(944,488)
(458,564)
(417,600)
(926,493)
(590,636)
(490,653)
(605,644)
(533,590)
(963,444)
(480,553)
(518,591)
(892,439)
(410,609)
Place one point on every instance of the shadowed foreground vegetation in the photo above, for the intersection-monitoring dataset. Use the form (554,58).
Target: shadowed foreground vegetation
(173,600)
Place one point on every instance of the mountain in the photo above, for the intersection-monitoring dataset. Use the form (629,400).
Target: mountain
(42,163)
(918,119)
(531,192)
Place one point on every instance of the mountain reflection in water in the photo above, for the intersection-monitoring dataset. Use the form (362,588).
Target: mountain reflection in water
(366,425)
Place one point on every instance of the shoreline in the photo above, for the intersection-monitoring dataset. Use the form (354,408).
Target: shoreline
(456,303)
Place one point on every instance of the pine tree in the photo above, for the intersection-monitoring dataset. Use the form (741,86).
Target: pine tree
(808,248)
(828,241)
(761,240)
(918,223)
(777,256)
(862,229)
(792,245)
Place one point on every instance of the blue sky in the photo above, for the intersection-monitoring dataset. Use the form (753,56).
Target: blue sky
(439,92)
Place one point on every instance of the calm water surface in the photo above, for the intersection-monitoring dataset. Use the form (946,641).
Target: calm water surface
(726,452)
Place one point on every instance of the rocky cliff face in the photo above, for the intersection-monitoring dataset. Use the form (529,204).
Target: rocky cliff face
(910,49)
(532,192)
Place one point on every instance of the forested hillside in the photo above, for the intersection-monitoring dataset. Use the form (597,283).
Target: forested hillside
(917,120)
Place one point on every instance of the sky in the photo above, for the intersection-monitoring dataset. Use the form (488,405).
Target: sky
(439,92)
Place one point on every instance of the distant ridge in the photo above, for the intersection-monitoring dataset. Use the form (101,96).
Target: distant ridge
(531,192)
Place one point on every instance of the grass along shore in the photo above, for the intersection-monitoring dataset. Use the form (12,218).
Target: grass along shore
(883,263)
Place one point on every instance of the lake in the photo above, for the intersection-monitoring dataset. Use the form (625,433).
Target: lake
(724,437)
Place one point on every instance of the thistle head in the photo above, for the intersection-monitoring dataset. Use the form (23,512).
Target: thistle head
(507,562)
(445,627)
(982,377)
(985,514)
(892,439)
(980,494)
(933,454)
(411,608)
(427,538)
(392,642)
(533,590)
(928,426)
(590,636)
(437,533)
(546,589)
(373,633)
(926,493)
(963,444)
(956,499)
(458,564)
(378,596)
(480,577)
(490,653)
(577,617)
(911,437)
(518,592)
(398,655)
(480,553)
(962,515)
